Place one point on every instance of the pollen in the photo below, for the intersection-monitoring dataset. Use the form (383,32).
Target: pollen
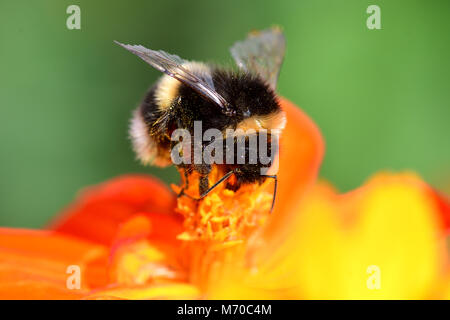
(224,216)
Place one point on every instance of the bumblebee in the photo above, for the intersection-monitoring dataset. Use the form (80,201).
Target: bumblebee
(223,99)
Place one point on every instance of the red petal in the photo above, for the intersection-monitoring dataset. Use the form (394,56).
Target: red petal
(97,214)
(443,203)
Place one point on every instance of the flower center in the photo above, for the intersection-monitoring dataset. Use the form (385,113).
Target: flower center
(224,216)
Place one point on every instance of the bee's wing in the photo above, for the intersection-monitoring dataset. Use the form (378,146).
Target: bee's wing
(172,65)
(262,52)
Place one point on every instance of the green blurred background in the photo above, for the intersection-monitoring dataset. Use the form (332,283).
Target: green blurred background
(380,97)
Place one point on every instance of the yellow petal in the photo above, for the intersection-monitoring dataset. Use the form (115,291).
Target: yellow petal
(384,240)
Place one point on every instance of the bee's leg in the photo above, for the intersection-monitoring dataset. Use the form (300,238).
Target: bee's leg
(203,185)
(186,183)
(206,192)
(274,190)
(204,171)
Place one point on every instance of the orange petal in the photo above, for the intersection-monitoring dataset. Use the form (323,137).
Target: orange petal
(140,262)
(97,214)
(160,228)
(301,153)
(166,291)
(140,254)
(37,265)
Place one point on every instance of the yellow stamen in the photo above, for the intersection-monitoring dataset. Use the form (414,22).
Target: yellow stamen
(217,227)
(224,215)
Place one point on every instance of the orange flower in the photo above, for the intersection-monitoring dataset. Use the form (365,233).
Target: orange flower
(130,238)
